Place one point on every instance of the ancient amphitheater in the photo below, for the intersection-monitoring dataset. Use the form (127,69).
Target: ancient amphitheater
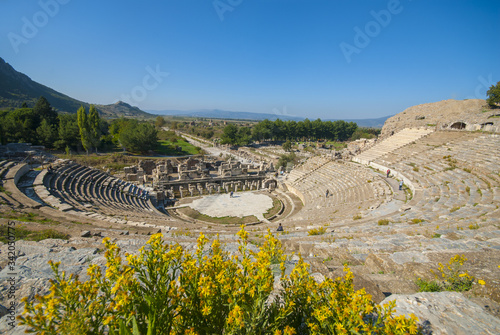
(447,155)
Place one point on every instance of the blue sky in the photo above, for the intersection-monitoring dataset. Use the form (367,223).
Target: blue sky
(322,58)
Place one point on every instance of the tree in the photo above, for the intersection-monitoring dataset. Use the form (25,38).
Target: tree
(287,146)
(138,137)
(286,159)
(262,130)
(95,127)
(244,136)
(47,133)
(493,95)
(20,126)
(68,132)
(160,121)
(45,111)
(84,128)
(229,134)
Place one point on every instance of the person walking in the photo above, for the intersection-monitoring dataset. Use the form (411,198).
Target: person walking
(326,193)
(231,194)
(401,185)
(388,172)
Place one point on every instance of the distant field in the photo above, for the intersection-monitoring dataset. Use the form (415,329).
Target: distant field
(167,147)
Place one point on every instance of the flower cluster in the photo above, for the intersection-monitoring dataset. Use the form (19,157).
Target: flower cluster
(165,289)
(451,277)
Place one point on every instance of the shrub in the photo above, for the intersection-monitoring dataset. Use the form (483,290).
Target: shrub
(318,231)
(415,221)
(452,276)
(428,286)
(167,290)
(22,233)
(383,222)
(357,217)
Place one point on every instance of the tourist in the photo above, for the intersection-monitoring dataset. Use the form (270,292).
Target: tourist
(388,172)
(231,194)
(400,185)
(326,193)
(280,227)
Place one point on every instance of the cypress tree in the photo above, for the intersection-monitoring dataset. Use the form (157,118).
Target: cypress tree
(83,125)
(94,123)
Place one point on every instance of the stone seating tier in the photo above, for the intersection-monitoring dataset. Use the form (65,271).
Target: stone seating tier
(400,139)
(89,191)
(457,180)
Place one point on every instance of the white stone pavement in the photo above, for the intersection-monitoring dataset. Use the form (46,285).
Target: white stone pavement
(216,151)
(240,205)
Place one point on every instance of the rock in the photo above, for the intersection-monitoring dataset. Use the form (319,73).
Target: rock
(85,233)
(3,311)
(318,277)
(446,313)
(98,234)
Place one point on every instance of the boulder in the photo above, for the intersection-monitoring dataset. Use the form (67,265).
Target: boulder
(446,313)
(85,233)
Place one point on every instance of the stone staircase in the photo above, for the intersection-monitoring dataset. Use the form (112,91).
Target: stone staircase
(398,140)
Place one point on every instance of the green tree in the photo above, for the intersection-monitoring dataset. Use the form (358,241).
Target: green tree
(494,95)
(45,111)
(229,134)
(138,137)
(68,132)
(284,160)
(94,127)
(291,130)
(160,121)
(262,130)
(47,133)
(84,129)
(287,146)
(244,136)
(20,126)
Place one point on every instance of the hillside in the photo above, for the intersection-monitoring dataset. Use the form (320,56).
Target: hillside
(470,114)
(17,88)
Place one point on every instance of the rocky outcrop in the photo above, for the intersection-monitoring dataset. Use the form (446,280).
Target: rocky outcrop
(472,114)
(446,313)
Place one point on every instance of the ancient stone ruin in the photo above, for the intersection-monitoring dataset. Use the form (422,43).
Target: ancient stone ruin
(334,213)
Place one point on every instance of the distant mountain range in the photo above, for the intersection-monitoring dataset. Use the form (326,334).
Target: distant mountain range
(222,114)
(17,88)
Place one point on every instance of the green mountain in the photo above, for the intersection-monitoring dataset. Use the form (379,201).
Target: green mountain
(17,88)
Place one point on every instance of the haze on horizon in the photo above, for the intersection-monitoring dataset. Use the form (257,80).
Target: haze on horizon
(327,59)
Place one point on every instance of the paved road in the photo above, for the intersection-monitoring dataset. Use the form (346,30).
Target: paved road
(216,151)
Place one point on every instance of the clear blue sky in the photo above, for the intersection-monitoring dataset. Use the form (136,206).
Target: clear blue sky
(305,58)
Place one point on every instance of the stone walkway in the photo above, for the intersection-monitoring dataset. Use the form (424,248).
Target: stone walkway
(398,195)
(241,204)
